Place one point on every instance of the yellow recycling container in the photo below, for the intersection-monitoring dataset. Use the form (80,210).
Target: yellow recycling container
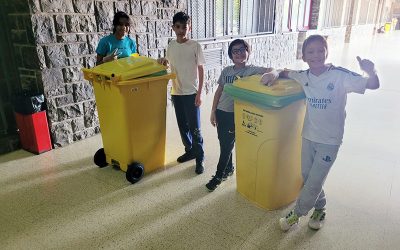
(131,97)
(268,124)
(388,26)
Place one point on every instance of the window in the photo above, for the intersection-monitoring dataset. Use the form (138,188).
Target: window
(354,14)
(373,6)
(333,13)
(363,12)
(262,13)
(304,14)
(287,13)
(346,15)
(226,18)
(296,15)
(203,24)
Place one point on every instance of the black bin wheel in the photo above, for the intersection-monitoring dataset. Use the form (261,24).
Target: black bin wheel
(134,172)
(100,158)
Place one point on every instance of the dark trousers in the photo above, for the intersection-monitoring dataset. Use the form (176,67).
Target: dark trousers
(226,137)
(188,118)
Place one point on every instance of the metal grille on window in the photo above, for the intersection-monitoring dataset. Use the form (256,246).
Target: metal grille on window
(347,8)
(363,12)
(235,17)
(328,13)
(218,18)
(373,6)
(258,16)
(213,58)
(265,15)
(202,14)
(337,14)
(354,20)
(333,13)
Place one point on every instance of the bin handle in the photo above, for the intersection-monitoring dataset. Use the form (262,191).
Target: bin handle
(142,80)
(135,89)
(104,81)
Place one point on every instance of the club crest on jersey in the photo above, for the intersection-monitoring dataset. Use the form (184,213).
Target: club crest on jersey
(330,86)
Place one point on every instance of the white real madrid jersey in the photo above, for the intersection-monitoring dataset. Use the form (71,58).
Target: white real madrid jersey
(326,97)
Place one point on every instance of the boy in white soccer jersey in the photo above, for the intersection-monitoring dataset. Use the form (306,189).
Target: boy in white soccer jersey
(326,88)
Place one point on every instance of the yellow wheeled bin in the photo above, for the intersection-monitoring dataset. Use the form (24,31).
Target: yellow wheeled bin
(268,124)
(388,26)
(131,97)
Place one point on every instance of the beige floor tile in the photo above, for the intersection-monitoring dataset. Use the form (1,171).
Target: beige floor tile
(173,231)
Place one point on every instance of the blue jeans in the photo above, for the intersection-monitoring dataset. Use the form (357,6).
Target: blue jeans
(226,137)
(188,119)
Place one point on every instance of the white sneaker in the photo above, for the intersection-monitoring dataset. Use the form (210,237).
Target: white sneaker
(317,219)
(288,221)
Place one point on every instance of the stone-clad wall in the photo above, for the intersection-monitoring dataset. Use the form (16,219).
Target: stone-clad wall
(66,34)
(55,39)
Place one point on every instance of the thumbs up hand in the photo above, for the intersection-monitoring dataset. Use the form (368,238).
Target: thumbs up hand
(366,65)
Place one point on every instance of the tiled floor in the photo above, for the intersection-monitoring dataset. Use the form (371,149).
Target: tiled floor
(61,200)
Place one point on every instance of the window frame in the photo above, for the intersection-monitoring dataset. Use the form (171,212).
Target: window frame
(228,19)
(301,20)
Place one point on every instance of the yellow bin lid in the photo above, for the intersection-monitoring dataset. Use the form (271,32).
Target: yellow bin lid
(282,87)
(125,68)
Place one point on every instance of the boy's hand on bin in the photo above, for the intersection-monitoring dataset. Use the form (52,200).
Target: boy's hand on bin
(113,56)
(269,78)
(213,118)
(163,61)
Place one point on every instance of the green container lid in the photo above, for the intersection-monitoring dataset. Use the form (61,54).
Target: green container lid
(281,94)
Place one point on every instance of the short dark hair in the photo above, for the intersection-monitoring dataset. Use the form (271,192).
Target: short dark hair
(314,38)
(117,16)
(181,17)
(236,42)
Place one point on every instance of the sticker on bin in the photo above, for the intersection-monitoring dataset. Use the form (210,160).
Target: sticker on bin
(125,68)
(282,87)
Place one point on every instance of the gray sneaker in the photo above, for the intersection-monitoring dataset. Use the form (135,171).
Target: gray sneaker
(288,221)
(317,219)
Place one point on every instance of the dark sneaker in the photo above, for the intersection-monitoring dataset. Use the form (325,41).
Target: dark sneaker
(228,174)
(199,167)
(213,183)
(185,157)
